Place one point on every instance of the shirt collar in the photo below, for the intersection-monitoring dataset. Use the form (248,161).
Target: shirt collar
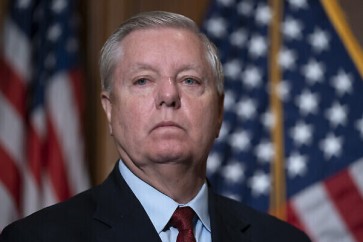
(159,206)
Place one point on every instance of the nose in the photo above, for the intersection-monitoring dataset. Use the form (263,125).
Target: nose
(168,94)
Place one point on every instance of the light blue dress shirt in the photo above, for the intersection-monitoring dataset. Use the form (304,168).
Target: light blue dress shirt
(160,207)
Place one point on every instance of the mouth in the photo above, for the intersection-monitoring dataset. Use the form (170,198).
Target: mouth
(166,125)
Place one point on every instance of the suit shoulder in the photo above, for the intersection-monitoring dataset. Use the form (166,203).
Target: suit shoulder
(61,219)
(263,226)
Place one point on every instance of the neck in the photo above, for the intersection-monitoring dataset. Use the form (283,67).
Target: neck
(180,181)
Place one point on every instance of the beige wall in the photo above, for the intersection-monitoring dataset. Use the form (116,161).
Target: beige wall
(353,12)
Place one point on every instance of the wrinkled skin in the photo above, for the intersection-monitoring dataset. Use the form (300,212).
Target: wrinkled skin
(164,111)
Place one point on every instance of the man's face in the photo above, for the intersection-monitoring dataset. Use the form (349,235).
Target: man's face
(164,106)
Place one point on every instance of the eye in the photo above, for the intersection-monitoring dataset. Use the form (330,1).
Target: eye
(190,81)
(141,81)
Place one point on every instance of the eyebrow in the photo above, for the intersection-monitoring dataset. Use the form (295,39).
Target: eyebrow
(148,67)
(191,67)
(141,66)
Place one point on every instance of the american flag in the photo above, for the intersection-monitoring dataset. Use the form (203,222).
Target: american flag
(41,145)
(292,138)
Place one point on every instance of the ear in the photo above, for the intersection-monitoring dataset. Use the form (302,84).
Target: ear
(107,107)
(220,114)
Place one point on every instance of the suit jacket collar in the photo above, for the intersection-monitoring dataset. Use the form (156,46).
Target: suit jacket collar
(119,216)
(225,225)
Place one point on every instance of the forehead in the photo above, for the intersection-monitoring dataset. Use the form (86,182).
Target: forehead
(163,42)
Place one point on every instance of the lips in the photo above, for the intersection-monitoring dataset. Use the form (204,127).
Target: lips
(167,124)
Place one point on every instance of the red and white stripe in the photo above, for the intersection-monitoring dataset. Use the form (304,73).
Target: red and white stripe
(332,210)
(14,71)
(41,160)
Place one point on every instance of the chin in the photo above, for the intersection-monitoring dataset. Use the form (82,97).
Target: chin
(169,150)
(170,156)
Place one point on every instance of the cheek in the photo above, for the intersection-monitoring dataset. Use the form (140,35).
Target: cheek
(205,118)
(131,117)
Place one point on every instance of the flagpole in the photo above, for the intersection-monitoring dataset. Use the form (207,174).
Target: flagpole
(278,191)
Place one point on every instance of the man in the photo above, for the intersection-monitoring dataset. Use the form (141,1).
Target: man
(163,97)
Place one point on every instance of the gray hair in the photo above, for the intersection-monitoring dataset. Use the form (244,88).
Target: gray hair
(111,49)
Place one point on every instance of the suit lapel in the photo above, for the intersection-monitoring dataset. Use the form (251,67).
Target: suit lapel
(119,215)
(225,225)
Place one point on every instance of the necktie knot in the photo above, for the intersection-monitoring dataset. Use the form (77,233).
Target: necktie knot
(182,219)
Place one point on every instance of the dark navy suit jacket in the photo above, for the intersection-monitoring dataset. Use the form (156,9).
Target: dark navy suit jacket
(111,212)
